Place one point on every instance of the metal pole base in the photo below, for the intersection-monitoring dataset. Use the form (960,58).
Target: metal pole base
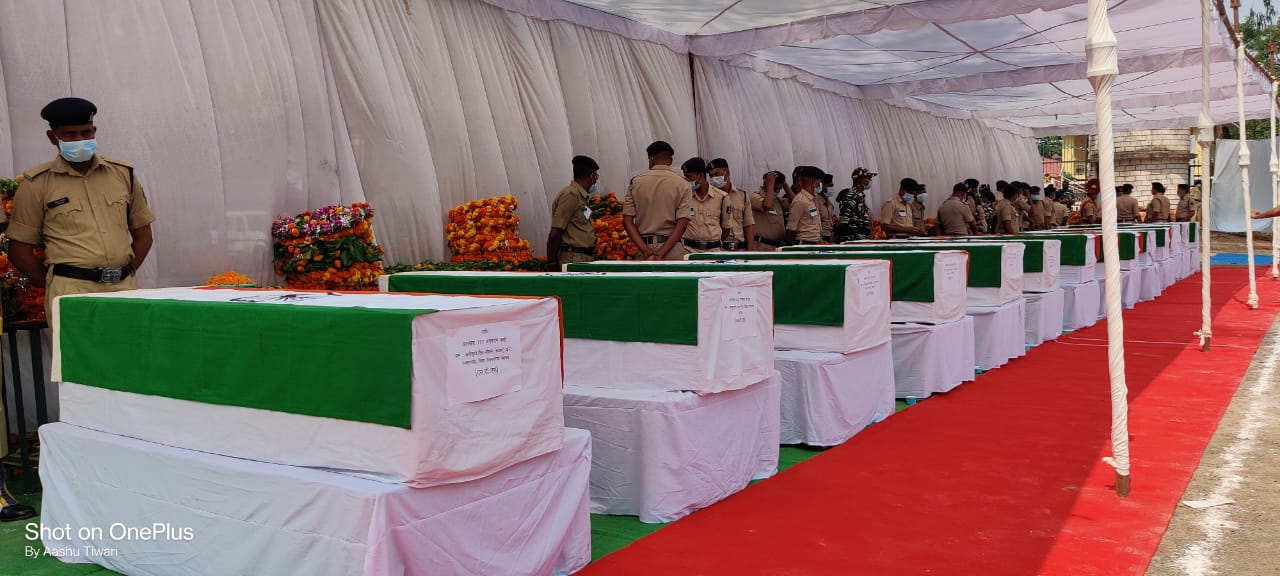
(1204,346)
(1122,485)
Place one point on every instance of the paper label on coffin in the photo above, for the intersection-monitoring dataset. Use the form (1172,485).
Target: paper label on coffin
(995,274)
(484,362)
(872,290)
(738,311)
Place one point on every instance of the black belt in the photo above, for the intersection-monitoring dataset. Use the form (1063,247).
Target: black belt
(101,275)
(696,245)
(655,239)
(827,238)
(588,251)
(766,241)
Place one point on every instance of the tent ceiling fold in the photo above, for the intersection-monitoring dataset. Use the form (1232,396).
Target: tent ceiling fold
(1013,64)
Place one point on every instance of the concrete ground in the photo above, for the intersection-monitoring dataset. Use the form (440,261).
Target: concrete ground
(1241,463)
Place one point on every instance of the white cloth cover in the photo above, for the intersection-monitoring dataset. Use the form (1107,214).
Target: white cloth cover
(1045,313)
(249,517)
(1081,303)
(1168,273)
(828,397)
(664,455)
(446,444)
(1152,283)
(1079,274)
(930,359)
(998,333)
(1047,280)
(1130,291)
(1227,205)
(1011,280)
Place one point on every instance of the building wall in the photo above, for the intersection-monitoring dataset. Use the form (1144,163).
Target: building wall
(1146,156)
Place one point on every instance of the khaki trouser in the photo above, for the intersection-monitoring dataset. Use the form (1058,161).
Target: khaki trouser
(677,252)
(56,286)
(567,257)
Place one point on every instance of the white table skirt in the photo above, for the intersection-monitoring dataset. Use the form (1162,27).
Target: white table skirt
(1080,305)
(1151,284)
(248,517)
(1044,316)
(1130,290)
(998,333)
(932,358)
(664,455)
(827,397)
(1168,273)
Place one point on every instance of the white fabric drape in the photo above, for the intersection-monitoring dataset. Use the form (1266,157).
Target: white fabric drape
(238,111)
(1228,205)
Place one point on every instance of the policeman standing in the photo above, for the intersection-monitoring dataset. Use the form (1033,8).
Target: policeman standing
(804,223)
(769,211)
(742,222)
(88,210)
(573,237)
(657,207)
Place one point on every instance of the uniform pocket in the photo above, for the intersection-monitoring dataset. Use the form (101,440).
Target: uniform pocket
(66,219)
(118,210)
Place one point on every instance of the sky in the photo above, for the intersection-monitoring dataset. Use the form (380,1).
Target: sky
(1246,6)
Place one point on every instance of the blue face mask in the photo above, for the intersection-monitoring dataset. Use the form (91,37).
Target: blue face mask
(818,189)
(595,189)
(695,186)
(78,151)
(908,197)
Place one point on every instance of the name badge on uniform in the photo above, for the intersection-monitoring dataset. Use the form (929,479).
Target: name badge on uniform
(902,212)
(813,212)
(692,212)
(58,202)
(586,212)
(774,212)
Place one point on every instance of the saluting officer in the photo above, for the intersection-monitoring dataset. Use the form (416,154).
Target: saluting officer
(88,210)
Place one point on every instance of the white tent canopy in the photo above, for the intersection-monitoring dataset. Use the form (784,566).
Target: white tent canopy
(1017,64)
(241,110)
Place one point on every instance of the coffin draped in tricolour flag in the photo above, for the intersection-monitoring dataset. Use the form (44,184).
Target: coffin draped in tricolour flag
(422,390)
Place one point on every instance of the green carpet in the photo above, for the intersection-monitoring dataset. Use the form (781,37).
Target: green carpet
(608,533)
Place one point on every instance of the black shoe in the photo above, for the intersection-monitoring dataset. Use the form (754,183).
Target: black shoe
(16,512)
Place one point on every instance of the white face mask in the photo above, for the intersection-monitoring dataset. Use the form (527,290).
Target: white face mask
(1036,197)
(594,190)
(718,181)
(908,197)
(695,186)
(79,150)
(922,196)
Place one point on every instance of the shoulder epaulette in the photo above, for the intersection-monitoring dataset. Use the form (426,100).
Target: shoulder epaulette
(116,161)
(38,170)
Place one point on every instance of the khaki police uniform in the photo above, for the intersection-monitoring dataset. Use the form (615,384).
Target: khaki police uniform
(805,219)
(1126,208)
(83,220)
(1007,212)
(1158,209)
(979,216)
(827,214)
(1046,206)
(1035,215)
(917,214)
(771,225)
(1186,209)
(896,212)
(708,217)
(1060,214)
(955,218)
(571,213)
(740,217)
(1089,211)
(656,199)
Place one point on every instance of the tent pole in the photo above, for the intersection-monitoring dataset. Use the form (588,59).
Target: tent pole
(1206,135)
(1275,165)
(1100,50)
(1244,158)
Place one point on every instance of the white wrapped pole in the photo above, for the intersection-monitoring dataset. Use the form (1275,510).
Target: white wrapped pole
(1244,159)
(1100,50)
(1206,179)
(1275,168)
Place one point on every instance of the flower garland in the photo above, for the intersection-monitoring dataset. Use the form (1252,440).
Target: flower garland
(1074,218)
(18,298)
(877,233)
(487,231)
(231,279)
(331,248)
(534,265)
(612,242)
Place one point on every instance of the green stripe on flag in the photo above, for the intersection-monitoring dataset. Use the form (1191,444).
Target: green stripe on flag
(662,309)
(986,263)
(822,286)
(348,363)
(911,273)
(1074,250)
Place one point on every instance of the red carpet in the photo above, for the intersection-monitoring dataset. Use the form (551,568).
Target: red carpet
(1001,476)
